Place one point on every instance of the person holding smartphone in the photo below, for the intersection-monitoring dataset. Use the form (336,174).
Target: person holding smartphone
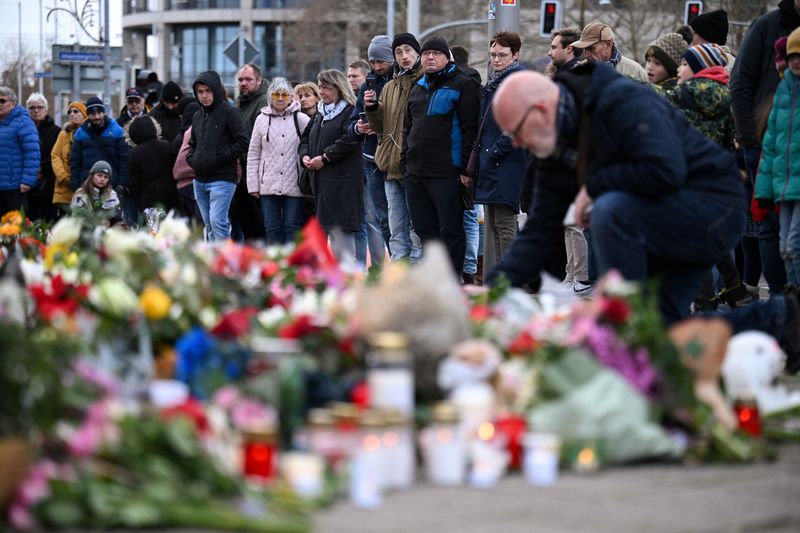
(375,228)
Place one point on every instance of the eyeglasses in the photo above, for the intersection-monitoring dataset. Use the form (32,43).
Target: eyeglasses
(35,107)
(74,112)
(284,96)
(500,55)
(515,134)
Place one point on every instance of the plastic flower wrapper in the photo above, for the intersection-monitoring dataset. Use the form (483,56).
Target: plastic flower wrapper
(152,217)
(425,303)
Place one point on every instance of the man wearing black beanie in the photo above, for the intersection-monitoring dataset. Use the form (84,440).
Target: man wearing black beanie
(166,112)
(711,27)
(440,126)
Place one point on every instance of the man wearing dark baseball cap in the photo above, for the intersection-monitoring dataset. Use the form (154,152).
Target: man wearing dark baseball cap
(134,107)
(597,41)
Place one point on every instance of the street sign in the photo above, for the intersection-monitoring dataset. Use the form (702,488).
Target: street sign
(250,51)
(86,57)
(42,74)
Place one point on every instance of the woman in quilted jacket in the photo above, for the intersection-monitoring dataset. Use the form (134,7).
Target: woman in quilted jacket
(273,163)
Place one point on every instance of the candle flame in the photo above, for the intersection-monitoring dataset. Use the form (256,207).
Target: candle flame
(444,436)
(372,443)
(586,456)
(486,431)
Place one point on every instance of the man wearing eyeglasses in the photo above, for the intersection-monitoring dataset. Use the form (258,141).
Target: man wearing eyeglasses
(19,151)
(134,106)
(664,201)
(438,132)
(100,138)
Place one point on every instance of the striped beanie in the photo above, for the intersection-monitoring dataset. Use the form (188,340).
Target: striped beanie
(701,56)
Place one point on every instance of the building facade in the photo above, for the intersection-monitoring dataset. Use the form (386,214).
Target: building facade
(179,39)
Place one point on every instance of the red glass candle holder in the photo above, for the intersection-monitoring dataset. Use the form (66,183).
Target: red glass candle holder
(260,455)
(748,415)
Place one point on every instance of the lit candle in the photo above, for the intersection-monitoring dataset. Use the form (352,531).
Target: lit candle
(366,463)
(260,453)
(398,446)
(587,461)
(443,448)
(748,415)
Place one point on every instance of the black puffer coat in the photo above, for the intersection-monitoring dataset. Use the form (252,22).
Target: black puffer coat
(151,161)
(339,184)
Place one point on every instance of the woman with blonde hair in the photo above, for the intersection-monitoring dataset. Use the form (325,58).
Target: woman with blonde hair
(334,161)
(59,157)
(273,161)
(307,95)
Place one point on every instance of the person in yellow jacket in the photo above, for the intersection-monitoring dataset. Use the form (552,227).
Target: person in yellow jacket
(62,195)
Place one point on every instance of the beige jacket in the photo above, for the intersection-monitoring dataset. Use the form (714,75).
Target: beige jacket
(387,120)
(632,69)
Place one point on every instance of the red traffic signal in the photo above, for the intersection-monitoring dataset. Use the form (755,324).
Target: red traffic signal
(691,10)
(550,18)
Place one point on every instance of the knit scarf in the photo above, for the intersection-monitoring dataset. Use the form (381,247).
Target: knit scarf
(330,111)
(615,57)
(498,75)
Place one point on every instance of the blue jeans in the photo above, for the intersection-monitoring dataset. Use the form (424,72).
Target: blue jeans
(214,200)
(370,233)
(772,264)
(675,238)
(790,240)
(283,217)
(403,243)
(472,232)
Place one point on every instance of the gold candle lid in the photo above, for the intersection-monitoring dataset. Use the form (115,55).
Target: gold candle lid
(344,411)
(372,419)
(389,340)
(264,433)
(444,412)
(320,417)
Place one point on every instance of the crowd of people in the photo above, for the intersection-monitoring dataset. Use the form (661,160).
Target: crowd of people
(684,169)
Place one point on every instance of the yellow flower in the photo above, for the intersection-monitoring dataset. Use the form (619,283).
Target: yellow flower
(12,217)
(53,253)
(155,303)
(9,230)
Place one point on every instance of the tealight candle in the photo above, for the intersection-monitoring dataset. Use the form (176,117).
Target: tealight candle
(444,448)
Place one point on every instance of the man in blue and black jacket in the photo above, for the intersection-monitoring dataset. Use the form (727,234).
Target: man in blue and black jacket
(439,129)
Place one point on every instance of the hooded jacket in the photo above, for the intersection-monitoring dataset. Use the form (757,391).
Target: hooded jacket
(272,160)
(440,124)
(218,137)
(386,117)
(778,176)
(754,77)
(629,150)
(91,144)
(19,150)
(705,101)
(151,163)
(168,119)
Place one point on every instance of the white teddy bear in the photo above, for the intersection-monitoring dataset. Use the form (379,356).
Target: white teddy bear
(752,362)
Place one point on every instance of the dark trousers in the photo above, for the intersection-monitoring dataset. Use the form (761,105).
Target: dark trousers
(437,213)
(768,232)
(12,200)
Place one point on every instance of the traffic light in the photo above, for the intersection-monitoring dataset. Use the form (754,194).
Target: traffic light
(690,12)
(550,18)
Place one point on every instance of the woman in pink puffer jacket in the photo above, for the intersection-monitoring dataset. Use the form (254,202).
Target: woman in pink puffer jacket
(273,164)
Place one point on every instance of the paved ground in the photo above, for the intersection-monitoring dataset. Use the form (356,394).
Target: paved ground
(653,498)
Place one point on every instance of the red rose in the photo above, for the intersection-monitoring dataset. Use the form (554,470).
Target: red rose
(615,310)
(480,313)
(234,324)
(524,343)
(191,409)
(298,328)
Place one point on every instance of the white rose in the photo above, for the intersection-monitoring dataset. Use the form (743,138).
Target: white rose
(66,232)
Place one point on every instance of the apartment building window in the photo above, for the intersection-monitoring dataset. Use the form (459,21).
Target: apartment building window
(200,48)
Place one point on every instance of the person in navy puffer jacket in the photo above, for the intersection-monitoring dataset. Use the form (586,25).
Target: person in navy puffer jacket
(101,138)
(19,152)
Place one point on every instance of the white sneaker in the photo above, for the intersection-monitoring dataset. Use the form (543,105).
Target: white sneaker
(582,289)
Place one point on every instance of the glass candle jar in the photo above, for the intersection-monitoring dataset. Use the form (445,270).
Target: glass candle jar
(748,415)
(444,448)
(260,452)
(390,377)
(398,446)
(367,464)
(542,452)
